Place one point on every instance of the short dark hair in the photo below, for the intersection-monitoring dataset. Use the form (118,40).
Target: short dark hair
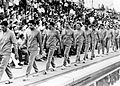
(31,21)
(5,23)
(52,23)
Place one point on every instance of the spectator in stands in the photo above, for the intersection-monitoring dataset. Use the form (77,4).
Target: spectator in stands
(22,51)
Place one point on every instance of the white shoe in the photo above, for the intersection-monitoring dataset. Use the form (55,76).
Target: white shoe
(63,67)
(36,74)
(26,78)
(9,81)
(45,72)
(42,60)
(18,67)
(53,69)
(68,65)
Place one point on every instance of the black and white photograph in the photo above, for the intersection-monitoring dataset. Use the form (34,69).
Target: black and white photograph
(59,42)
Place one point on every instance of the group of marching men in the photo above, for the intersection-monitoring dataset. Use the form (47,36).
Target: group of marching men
(93,36)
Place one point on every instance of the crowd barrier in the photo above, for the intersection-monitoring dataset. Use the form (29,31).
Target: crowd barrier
(104,73)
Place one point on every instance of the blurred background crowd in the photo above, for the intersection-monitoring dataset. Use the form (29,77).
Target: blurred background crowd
(19,12)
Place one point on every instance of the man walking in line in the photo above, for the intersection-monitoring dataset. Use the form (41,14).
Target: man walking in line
(52,37)
(87,42)
(33,38)
(102,33)
(108,36)
(68,40)
(115,38)
(6,40)
(94,39)
(79,39)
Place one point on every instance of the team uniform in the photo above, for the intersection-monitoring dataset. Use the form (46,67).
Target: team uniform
(119,38)
(115,39)
(87,43)
(6,40)
(94,39)
(79,39)
(33,39)
(52,37)
(102,33)
(107,39)
(67,39)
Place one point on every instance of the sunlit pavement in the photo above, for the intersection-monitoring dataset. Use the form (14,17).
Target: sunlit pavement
(20,73)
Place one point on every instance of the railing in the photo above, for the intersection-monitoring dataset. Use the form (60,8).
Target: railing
(107,79)
(104,75)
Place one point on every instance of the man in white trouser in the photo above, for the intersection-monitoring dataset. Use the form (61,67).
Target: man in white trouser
(32,39)
(6,40)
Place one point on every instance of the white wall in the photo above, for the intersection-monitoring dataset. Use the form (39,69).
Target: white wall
(97,2)
(117,5)
(110,3)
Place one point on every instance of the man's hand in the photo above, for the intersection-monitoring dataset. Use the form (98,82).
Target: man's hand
(61,44)
(104,39)
(74,45)
(17,56)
